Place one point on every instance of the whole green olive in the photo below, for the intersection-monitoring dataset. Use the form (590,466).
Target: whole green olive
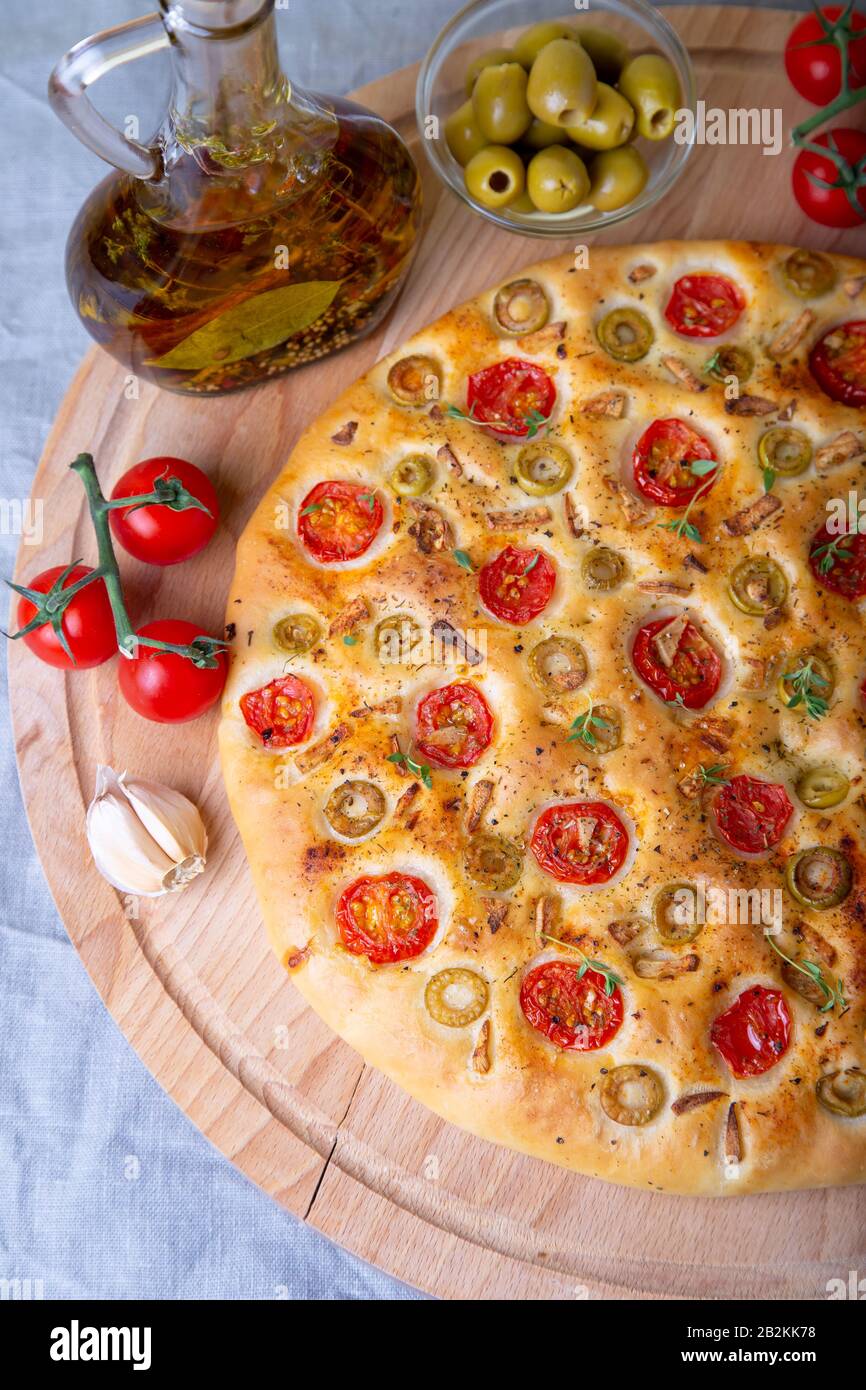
(463,134)
(522,203)
(651,84)
(822,788)
(538,36)
(808,274)
(757,586)
(608,52)
(556,179)
(492,58)
(412,476)
(616,178)
(541,134)
(609,124)
(543,468)
(495,176)
(499,103)
(562,84)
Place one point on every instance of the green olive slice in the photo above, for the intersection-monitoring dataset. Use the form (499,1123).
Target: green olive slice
(819,877)
(493,862)
(788,452)
(758,586)
(631,1095)
(823,682)
(558,665)
(603,569)
(808,274)
(543,468)
(354,809)
(396,637)
(730,361)
(521,307)
(455,998)
(296,634)
(675,913)
(415,380)
(625,334)
(412,476)
(822,788)
(843,1092)
(605,730)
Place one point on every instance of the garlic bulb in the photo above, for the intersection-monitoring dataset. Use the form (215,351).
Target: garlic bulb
(145,838)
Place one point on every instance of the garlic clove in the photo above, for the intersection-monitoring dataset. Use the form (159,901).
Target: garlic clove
(146,839)
(170,817)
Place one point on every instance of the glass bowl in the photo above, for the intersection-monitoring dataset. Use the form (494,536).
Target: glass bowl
(497,23)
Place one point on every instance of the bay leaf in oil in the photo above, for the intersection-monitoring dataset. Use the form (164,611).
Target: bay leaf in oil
(252,326)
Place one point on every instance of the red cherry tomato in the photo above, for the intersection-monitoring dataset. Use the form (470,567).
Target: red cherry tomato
(339,521)
(695,672)
(517,585)
(281,713)
(511,397)
(87,623)
(751,815)
(754,1032)
(662,460)
(570,1009)
(839,562)
(158,534)
(815,69)
(581,842)
(703,306)
(387,918)
(454,725)
(833,196)
(838,363)
(165,687)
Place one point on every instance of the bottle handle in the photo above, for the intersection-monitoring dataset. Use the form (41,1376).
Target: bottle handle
(84,64)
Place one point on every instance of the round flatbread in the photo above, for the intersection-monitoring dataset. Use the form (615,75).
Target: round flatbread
(544,729)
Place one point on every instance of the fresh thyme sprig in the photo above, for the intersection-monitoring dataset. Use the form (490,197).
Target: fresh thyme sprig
(831,552)
(583,725)
(530,423)
(682,527)
(611,979)
(833,993)
(712,776)
(804,680)
(421,770)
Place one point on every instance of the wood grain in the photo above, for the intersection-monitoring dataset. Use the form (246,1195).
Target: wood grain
(191,981)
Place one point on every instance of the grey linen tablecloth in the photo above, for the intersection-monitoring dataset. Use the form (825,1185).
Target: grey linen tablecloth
(75,1102)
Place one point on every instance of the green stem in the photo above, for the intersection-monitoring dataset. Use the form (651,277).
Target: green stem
(843,102)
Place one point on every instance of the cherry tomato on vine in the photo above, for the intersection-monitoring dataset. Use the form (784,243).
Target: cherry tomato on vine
(159,534)
(164,686)
(87,622)
(832,191)
(814,65)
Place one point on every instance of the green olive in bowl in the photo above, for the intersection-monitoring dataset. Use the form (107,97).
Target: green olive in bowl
(608,52)
(495,176)
(562,84)
(616,178)
(494,57)
(499,103)
(538,36)
(609,124)
(651,84)
(556,180)
(463,134)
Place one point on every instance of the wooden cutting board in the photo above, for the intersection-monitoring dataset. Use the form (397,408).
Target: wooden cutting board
(190,980)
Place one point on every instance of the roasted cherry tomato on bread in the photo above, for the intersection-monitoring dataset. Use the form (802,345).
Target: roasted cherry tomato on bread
(751,815)
(838,562)
(454,725)
(86,622)
(814,66)
(387,918)
(571,1009)
(831,187)
(672,656)
(513,397)
(662,463)
(838,363)
(339,521)
(754,1033)
(165,533)
(703,306)
(164,686)
(582,842)
(517,585)
(281,713)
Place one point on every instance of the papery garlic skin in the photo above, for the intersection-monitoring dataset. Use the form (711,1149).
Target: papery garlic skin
(146,838)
